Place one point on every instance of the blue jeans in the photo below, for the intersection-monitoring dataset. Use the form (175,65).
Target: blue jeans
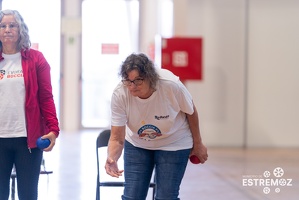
(139,163)
(14,151)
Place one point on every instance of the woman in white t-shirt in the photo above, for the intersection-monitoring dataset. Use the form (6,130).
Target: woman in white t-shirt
(155,120)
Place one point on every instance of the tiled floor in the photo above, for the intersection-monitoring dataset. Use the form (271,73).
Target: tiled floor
(229,174)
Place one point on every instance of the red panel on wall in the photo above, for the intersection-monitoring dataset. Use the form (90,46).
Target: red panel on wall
(183,56)
(110,48)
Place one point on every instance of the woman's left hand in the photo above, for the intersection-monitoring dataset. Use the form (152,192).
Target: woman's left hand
(201,152)
(52,137)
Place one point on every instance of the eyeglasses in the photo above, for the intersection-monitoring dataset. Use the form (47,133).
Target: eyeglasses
(12,25)
(137,82)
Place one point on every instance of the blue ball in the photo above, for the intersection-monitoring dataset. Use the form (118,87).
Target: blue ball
(42,143)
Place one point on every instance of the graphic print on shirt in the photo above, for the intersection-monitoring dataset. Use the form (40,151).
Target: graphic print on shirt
(2,73)
(149,132)
(15,74)
(11,74)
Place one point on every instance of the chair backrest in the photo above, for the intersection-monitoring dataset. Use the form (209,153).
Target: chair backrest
(102,141)
(103,138)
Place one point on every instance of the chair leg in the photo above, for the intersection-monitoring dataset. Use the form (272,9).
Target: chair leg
(98,193)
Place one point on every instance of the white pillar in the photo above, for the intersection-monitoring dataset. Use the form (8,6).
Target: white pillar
(180,17)
(148,17)
(70,65)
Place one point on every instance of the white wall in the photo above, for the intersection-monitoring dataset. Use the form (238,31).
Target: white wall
(273,73)
(219,97)
(249,95)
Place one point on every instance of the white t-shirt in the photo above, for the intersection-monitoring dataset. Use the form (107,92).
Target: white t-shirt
(12,93)
(158,122)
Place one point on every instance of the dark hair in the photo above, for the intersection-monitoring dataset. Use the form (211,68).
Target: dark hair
(24,41)
(143,65)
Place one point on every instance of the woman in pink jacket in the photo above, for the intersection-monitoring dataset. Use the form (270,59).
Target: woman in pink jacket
(27,109)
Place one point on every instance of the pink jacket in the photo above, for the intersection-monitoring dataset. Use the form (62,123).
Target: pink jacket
(40,109)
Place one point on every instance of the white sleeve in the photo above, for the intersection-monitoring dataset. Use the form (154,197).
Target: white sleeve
(184,99)
(118,107)
(182,95)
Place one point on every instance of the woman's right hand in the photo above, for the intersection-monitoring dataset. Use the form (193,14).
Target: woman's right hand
(112,168)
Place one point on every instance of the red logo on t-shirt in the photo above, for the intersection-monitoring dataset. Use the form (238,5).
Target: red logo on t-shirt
(2,73)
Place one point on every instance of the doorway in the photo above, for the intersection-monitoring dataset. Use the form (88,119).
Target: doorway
(109,35)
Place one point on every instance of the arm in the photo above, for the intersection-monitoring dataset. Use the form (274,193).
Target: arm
(45,95)
(115,147)
(198,148)
(46,100)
